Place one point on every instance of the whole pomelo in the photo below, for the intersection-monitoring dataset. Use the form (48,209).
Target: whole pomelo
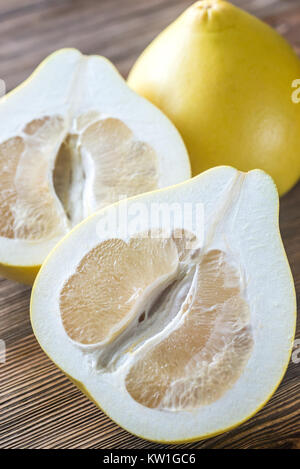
(225,79)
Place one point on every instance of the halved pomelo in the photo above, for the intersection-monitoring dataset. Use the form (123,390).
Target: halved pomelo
(74,138)
(174,311)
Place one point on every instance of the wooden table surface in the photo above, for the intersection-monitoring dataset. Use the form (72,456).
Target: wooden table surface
(39,407)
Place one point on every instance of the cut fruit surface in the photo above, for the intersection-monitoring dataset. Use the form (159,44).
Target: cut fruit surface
(181,326)
(74,140)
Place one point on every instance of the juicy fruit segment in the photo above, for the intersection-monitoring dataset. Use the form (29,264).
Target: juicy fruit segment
(10,152)
(27,201)
(125,169)
(189,360)
(119,273)
(204,356)
(56,173)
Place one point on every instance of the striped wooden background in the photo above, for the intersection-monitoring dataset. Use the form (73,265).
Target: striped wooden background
(39,407)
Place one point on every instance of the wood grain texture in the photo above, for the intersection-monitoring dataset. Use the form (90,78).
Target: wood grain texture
(39,407)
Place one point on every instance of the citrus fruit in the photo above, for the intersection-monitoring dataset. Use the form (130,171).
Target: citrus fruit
(225,79)
(178,326)
(74,138)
